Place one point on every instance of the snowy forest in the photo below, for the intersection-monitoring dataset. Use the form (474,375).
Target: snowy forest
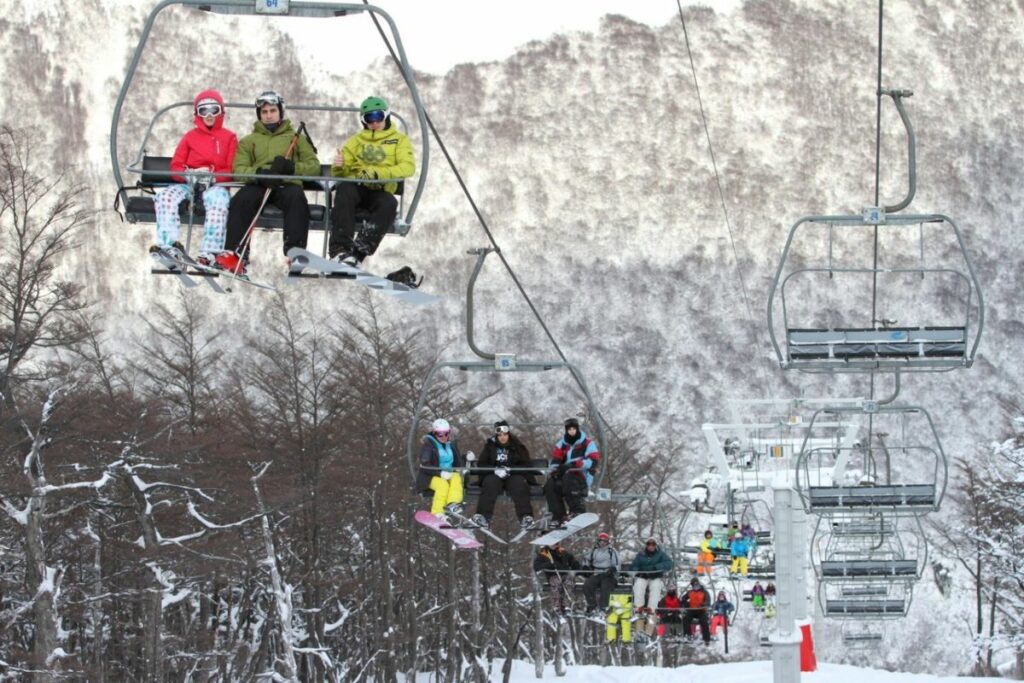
(215,488)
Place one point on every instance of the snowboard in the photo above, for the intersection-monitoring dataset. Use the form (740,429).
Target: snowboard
(460,538)
(577,523)
(541,524)
(303,259)
(463,522)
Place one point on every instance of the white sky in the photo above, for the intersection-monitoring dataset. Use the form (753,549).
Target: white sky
(438,34)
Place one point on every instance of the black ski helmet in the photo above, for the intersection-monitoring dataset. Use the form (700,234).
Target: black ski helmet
(269,97)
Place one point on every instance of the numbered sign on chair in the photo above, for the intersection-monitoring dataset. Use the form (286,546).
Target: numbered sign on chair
(271,6)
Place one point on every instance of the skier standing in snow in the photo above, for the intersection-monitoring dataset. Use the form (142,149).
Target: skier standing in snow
(557,564)
(264,152)
(440,462)
(649,565)
(378,152)
(209,147)
(502,466)
(574,460)
(697,601)
(603,561)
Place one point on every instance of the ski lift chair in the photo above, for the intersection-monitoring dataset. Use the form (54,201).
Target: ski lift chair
(819,496)
(153,171)
(910,299)
(503,365)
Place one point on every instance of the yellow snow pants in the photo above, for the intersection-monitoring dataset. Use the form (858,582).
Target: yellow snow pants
(620,610)
(445,492)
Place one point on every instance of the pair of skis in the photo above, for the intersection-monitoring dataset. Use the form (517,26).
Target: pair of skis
(177,262)
(462,535)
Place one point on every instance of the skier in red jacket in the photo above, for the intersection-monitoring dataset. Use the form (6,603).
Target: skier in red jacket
(208,148)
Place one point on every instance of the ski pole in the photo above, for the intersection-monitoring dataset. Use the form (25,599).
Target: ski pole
(243,244)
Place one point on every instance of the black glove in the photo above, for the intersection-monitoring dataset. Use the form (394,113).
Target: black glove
(562,469)
(266,182)
(610,571)
(282,166)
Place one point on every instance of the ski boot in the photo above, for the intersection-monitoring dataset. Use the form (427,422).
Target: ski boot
(231,262)
(480,521)
(526,522)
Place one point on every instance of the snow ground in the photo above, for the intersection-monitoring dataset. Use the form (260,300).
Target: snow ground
(741,672)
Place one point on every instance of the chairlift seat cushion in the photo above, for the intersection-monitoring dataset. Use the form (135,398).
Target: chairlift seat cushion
(893,345)
(862,568)
(878,607)
(899,495)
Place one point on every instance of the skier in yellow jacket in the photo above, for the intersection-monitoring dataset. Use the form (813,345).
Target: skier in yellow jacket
(378,152)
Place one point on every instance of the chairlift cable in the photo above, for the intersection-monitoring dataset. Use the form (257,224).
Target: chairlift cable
(497,249)
(725,209)
(878,175)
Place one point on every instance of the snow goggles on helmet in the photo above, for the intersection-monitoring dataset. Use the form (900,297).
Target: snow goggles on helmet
(209,109)
(374,116)
(442,432)
(502,429)
(268,97)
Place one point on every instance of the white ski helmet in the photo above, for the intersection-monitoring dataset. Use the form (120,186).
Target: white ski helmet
(440,425)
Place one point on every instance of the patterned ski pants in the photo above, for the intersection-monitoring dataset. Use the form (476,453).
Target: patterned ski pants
(168,222)
(621,609)
(445,492)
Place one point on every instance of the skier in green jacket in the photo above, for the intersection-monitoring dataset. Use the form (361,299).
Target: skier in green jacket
(263,152)
(378,152)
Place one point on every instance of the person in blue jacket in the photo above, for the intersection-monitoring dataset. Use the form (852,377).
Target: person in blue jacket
(574,461)
(649,566)
(739,547)
(441,463)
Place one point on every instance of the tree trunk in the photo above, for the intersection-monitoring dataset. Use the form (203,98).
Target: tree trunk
(41,581)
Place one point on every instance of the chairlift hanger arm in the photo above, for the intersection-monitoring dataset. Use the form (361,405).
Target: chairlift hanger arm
(897,98)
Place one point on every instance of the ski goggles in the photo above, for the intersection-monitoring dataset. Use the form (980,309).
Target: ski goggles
(213,109)
(268,97)
(443,432)
(374,116)
(502,429)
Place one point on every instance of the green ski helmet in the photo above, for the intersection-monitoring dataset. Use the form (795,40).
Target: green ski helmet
(369,108)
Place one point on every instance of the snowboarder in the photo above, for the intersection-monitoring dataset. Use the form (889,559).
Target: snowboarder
(769,600)
(378,152)
(697,601)
(705,556)
(757,596)
(557,564)
(603,562)
(619,610)
(501,467)
(670,613)
(720,612)
(738,549)
(208,147)
(574,459)
(440,462)
(262,152)
(649,565)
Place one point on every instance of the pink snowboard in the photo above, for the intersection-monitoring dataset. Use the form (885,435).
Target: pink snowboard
(462,539)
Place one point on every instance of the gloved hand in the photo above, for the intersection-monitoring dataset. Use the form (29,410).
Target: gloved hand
(446,475)
(610,571)
(266,182)
(368,174)
(562,469)
(470,456)
(501,472)
(282,166)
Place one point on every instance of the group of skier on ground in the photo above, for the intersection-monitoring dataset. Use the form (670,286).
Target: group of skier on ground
(373,161)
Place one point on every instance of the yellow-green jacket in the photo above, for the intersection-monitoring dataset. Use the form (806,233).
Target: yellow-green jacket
(258,149)
(377,154)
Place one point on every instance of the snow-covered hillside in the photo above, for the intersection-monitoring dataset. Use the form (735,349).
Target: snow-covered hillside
(587,157)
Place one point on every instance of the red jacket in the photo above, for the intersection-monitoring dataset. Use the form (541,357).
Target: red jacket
(212,147)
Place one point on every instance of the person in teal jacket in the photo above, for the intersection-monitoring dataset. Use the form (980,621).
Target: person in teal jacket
(378,152)
(649,566)
(264,152)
